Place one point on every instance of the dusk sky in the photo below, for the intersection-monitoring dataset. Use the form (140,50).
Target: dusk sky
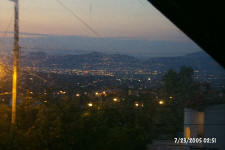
(133,19)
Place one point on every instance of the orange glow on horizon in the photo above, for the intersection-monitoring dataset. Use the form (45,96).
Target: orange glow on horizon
(106,18)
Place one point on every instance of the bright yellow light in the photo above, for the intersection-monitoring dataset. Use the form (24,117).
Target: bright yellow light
(14,94)
(90,105)
(161,102)
(104,92)
(187,132)
(77,95)
(136,104)
(115,100)
(96,93)
(171,97)
(61,92)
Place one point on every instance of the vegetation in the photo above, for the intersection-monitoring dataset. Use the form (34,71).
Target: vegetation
(128,122)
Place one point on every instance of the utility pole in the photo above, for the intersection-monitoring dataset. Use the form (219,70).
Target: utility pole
(16,53)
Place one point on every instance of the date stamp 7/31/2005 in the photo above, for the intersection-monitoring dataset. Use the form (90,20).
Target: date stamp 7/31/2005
(195,140)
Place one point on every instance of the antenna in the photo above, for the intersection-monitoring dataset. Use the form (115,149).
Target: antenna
(16,58)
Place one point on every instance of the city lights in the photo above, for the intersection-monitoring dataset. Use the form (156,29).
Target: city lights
(5,93)
(136,104)
(61,93)
(115,99)
(83,75)
(161,102)
(90,104)
(104,93)
(2,72)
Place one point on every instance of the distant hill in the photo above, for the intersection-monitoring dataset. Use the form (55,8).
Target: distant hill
(74,45)
(95,60)
(199,61)
(90,60)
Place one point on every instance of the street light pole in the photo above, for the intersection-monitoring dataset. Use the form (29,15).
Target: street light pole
(16,52)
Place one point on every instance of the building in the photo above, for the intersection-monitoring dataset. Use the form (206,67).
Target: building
(208,124)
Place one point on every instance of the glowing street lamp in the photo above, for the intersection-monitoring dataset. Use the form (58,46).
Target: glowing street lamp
(115,99)
(77,95)
(97,94)
(90,104)
(61,93)
(136,104)
(161,102)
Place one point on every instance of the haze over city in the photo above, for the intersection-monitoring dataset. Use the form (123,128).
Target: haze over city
(132,27)
(110,75)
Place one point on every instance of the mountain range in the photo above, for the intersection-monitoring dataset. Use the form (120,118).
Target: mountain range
(199,61)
